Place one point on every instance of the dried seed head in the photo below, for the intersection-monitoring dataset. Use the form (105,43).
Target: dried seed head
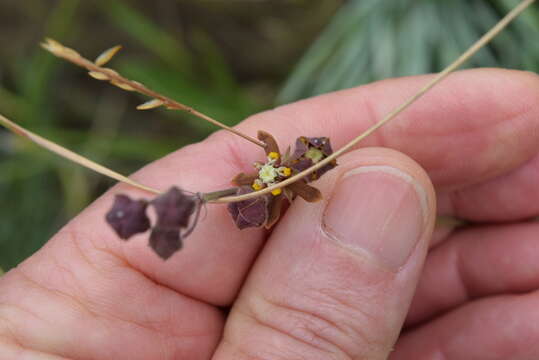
(128,217)
(152,104)
(52,46)
(107,55)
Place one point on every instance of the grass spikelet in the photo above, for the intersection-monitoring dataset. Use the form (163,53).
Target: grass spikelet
(152,104)
(122,85)
(107,55)
(118,80)
(98,76)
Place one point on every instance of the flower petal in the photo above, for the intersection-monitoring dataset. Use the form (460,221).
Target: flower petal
(244,179)
(174,208)
(289,194)
(275,207)
(287,155)
(301,148)
(322,143)
(307,192)
(128,217)
(269,140)
(251,212)
(308,151)
(324,169)
(301,164)
(165,241)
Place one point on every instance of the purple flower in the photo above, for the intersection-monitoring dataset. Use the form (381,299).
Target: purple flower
(174,210)
(265,210)
(309,151)
(128,217)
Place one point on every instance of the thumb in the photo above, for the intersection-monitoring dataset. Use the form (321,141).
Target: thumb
(336,278)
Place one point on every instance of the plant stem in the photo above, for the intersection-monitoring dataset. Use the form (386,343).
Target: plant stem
(442,75)
(71,55)
(68,154)
(211,196)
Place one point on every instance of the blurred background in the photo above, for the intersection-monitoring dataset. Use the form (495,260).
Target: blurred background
(226,58)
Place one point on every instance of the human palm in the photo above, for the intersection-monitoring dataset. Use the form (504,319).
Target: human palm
(332,280)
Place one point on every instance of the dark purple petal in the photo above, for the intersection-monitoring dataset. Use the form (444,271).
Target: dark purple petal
(308,151)
(165,241)
(301,164)
(324,169)
(321,143)
(301,148)
(128,217)
(326,148)
(249,213)
(174,208)
(316,141)
(274,210)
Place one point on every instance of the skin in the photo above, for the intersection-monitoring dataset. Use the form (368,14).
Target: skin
(469,293)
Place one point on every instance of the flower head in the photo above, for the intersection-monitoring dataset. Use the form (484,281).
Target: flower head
(266,209)
(309,151)
(174,210)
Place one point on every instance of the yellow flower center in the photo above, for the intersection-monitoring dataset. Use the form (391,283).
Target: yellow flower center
(273,155)
(258,185)
(268,173)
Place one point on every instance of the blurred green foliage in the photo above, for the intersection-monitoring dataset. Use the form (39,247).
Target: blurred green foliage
(369,40)
(225,58)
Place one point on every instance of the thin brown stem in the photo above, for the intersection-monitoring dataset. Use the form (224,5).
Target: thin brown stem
(209,197)
(74,57)
(442,75)
(70,155)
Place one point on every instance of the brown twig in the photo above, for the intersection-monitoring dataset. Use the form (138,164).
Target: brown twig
(442,75)
(116,79)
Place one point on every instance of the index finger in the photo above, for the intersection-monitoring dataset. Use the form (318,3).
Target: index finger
(476,125)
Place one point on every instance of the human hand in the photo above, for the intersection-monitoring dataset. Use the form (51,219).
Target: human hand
(334,279)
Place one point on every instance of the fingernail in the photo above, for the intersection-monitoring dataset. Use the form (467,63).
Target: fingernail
(380,210)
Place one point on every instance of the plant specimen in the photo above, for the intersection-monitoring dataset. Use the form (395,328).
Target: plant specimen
(257,198)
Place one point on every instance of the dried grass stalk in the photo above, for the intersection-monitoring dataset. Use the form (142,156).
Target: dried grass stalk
(118,80)
(70,155)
